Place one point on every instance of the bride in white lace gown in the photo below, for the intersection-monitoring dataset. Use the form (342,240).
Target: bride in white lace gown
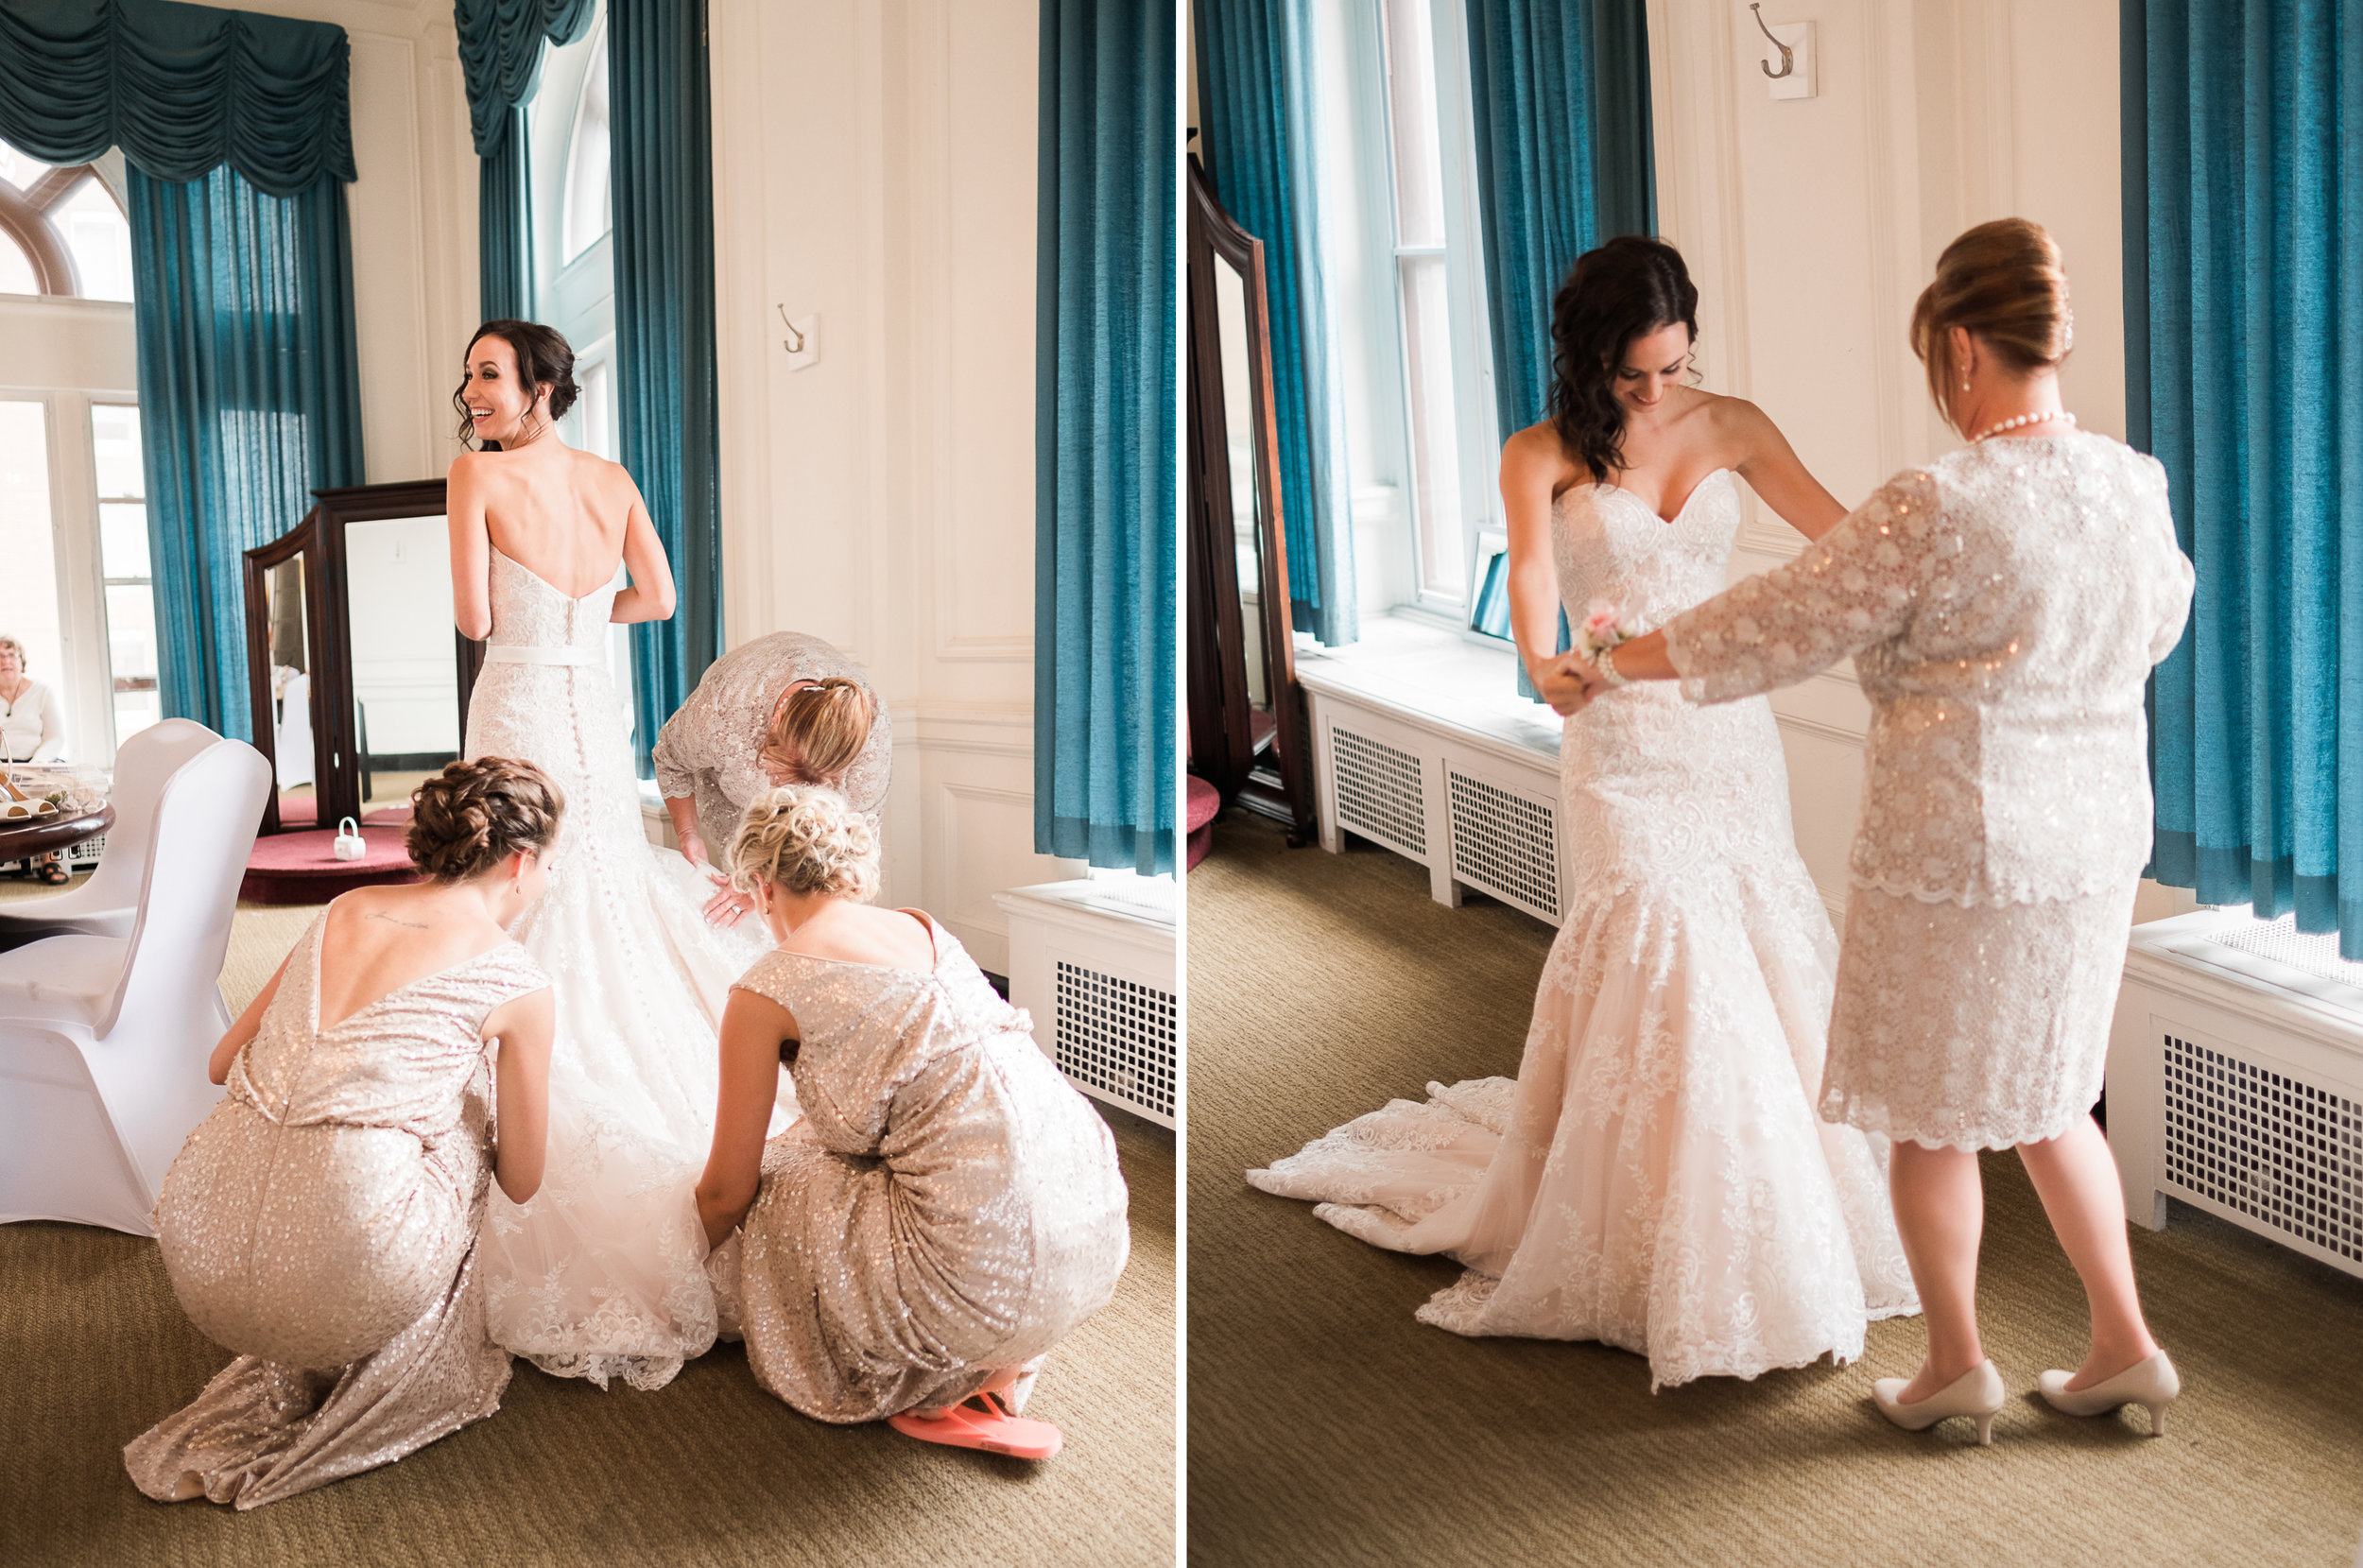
(602,1274)
(1655,1178)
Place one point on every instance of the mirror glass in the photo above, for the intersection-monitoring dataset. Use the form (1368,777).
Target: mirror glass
(291,665)
(405,676)
(1238,410)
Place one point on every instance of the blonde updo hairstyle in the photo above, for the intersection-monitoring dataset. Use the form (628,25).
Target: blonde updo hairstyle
(471,816)
(806,839)
(820,729)
(2002,280)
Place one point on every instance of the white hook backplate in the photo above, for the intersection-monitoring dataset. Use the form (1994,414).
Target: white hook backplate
(1799,83)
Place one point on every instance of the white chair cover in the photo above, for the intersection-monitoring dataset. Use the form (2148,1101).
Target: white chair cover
(109,902)
(104,1040)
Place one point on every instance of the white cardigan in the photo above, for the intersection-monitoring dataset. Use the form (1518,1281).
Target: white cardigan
(32,729)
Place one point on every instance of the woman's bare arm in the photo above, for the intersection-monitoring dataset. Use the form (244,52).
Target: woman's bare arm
(1532,466)
(1774,470)
(249,1023)
(753,1030)
(523,1026)
(470,547)
(650,596)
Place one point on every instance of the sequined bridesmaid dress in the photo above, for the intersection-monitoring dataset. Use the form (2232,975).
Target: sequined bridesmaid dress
(949,1205)
(322,1222)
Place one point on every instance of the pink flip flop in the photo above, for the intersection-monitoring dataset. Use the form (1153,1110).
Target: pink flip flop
(993,1428)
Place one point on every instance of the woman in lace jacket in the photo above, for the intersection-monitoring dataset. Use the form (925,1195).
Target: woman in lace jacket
(2004,606)
(744,732)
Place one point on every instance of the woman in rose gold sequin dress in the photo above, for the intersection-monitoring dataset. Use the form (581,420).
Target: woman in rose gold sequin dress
(322,1222)
(948,1209)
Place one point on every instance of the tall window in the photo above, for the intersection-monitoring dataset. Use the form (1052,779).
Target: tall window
(128,580)
(1415,147)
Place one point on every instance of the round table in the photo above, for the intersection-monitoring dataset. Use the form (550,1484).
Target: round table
(22,840)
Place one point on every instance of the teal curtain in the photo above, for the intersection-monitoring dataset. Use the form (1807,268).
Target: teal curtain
(182,89)
(250,400)
(236,134)
(1260,110)
(1565,160)
(1106,584)
(500,58)
(2243,169)
(661,131)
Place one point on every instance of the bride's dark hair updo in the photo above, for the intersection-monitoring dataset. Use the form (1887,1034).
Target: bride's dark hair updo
(1628,288)
(471,816)
(543,355)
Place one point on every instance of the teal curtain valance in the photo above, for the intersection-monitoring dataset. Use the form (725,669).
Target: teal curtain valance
(500,55)
(182,89)
(2244,377)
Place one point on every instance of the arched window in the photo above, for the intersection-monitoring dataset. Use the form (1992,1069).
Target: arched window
(61,230)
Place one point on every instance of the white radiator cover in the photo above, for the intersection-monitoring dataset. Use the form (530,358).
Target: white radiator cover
(2235,1080)
(1095,963)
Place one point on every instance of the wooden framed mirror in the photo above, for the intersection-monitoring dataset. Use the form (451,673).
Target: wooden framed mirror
(1248,737)
(357,680)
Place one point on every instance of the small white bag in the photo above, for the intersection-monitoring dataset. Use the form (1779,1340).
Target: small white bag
(350,844)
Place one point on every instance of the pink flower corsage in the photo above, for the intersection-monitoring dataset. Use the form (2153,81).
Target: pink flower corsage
(1605,625)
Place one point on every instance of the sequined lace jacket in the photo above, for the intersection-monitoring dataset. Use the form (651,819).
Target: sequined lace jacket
(709,748)
(2004,606)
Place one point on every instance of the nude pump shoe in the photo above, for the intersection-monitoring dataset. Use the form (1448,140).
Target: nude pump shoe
(2150,1383)
(1977,1393)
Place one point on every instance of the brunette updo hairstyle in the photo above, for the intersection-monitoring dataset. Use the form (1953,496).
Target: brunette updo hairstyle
(820,729)
(543,355)
(1628,288)
(2003,282)
(473,815)
(807,839)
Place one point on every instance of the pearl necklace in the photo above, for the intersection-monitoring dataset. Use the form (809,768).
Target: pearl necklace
(2061,415)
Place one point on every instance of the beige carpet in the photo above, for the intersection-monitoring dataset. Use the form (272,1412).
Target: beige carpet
(1327,1427)
(707,1471)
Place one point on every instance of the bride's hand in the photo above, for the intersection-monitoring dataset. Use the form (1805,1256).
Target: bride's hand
(1568,683)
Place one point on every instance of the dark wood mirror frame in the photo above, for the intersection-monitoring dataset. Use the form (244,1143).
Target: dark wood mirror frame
(328,629)
(1224,749)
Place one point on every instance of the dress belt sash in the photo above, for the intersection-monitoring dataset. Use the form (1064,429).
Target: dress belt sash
(516,653)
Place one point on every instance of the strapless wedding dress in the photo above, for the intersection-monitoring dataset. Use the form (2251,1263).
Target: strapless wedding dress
(1655,1178)
(602,1274)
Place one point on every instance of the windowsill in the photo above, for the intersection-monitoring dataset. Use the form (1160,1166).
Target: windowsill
(1412,665)
(2298,980)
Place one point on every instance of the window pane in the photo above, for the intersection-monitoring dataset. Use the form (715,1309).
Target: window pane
(100,239)
(115,442)
(598,410)
(1411,116)
(132,639)
(588,196)
(28,582)
(123,539)
(136,711)
(20,168)
(1435,458)
(16,267)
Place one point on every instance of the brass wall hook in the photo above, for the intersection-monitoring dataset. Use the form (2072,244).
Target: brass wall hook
(794,341)
(1788,58)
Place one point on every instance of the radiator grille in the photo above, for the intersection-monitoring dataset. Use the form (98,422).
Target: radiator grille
(1379,793)
(2283,1152)
(1116,1036)
(1505,843)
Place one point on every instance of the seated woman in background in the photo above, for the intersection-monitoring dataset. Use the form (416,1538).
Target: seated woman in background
(32,729)
(322,1222)
(783,709)
(948,1209)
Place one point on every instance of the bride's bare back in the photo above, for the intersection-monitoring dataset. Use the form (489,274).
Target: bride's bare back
(568,517)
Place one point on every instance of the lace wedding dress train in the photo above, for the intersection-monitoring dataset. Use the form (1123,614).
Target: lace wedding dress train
(1655,1178)
(602,1274)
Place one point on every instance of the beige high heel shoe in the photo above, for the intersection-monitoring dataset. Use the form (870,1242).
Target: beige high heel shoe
(2150,1382)
(1977,1393)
